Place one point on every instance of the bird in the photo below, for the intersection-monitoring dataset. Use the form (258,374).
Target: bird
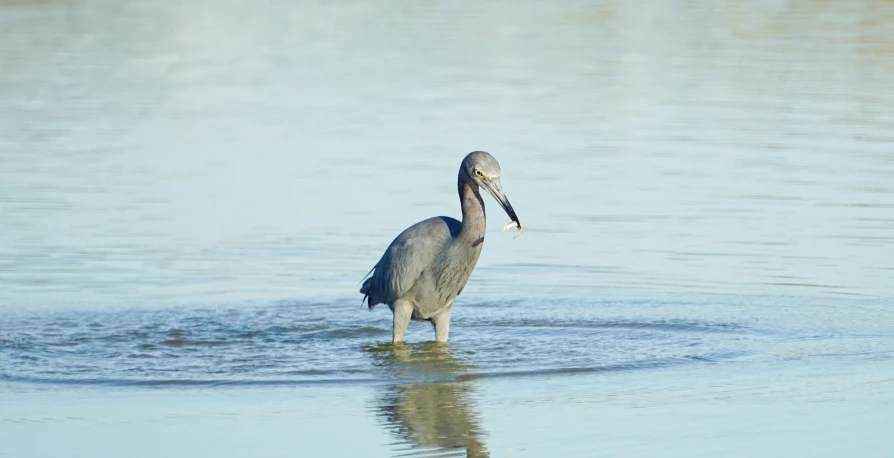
(428,264)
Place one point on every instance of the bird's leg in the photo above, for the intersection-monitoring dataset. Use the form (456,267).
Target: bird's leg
(403,310)
(441,323)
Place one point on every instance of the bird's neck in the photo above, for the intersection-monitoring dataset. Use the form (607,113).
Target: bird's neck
(473,214)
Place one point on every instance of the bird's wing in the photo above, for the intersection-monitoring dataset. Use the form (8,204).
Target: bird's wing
(408,256)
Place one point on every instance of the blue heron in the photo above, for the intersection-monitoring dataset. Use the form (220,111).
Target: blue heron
(429,263)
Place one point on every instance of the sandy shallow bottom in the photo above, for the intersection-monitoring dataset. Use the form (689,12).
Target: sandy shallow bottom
(782,410)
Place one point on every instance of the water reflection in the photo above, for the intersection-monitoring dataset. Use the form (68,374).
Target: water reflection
(436,414)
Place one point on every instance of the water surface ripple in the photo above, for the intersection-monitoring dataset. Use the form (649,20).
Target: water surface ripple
(295,342)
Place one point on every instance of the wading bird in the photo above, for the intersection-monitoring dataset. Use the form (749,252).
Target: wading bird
(429,263)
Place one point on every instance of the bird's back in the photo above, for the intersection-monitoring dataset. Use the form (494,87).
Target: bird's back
(418,266)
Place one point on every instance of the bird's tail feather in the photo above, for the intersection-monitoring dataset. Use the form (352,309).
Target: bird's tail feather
(365,290)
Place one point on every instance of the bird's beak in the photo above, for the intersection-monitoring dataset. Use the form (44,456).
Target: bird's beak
(496,190)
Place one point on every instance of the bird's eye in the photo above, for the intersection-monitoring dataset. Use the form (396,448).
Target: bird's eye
(478,173)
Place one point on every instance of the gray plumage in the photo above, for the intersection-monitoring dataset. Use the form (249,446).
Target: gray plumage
(429,263)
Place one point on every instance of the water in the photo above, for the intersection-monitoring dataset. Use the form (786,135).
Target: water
(298,343)
(190,195)
(563,364)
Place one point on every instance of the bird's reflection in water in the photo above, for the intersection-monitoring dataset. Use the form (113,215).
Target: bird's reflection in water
(434,413)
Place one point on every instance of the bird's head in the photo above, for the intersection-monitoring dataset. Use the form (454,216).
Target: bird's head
(482,169)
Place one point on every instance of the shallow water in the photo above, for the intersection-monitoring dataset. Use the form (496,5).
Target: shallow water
(190,195)
(523,377)
(298,343)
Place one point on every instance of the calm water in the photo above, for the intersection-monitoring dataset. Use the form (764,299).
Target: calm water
(191,192)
